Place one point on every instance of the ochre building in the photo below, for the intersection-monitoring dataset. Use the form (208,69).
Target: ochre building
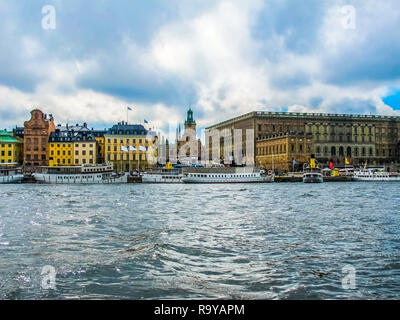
(371,139)
(36,139)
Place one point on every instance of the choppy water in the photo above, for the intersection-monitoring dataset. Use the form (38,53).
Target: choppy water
(263,241)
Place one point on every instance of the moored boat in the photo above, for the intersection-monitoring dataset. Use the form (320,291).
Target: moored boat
(162,176)
(312,173)
(9,173)
(370,175)
(85,174)
(225,175)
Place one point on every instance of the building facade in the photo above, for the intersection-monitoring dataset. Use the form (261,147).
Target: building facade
(37,131)
(188,140)
(85,147)
(285,151)
(360,138)
(123,135)
(61,148)
(11,148)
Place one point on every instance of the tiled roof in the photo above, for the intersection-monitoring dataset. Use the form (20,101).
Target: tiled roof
(6,137)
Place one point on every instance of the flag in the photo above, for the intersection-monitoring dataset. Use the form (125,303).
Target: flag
(124,148)
(346,160)
(129,108)
(131,148)
(141,148)
(331,165)
(145,121)
(294,161)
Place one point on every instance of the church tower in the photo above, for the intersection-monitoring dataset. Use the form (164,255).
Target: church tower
(190,123)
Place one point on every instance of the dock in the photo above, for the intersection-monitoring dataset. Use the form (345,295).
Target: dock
(298,178)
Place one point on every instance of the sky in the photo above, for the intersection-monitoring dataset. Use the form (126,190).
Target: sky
(91,59)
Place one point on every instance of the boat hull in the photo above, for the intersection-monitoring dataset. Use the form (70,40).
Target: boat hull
(363,179)
(159,178)
(313,180)
(78,179)
(17,178)
(226,180)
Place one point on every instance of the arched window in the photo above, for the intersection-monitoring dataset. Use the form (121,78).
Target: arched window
(333,151)
(348,152)
(341,151)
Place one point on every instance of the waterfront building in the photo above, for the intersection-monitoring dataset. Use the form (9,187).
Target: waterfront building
(61,148)
(85,147)
(11,148)
(126,135)
(284,151)
(37,131)
(334,137)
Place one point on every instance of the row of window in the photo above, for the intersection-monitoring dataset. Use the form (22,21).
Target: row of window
(77,177)
(277,149)
(323,128)
(127,140)
(198,175)
(114,157)
(83,145)
(77,153)
(35,157)
(3,145)
(69,161)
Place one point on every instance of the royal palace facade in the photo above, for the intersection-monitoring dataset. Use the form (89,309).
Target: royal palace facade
(281,138)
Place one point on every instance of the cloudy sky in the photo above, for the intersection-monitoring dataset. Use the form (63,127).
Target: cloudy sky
(224,58)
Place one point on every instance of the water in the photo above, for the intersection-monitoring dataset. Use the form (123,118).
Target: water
(240,241)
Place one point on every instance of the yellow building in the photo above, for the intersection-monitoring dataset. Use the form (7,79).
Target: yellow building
(85,148)
(61,148)
(124,135)
(10,148)
(73,146)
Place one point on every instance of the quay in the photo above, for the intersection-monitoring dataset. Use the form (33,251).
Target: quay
(298,178)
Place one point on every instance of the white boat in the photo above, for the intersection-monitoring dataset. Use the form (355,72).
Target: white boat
(85,174)
(312,175)
(162,176)
(10,174)
(370,175)
(225,175)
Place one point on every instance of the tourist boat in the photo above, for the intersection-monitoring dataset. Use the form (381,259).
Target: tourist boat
(9,173)
(162,176)
(371,175)
(85,174)
(225,175)
(312,174)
